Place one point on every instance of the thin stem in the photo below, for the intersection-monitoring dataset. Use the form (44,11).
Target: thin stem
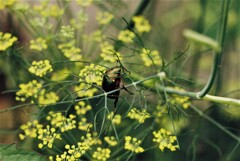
(217,56)
(215,123)
(223,100)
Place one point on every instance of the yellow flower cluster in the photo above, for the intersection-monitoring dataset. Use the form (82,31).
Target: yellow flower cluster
(141,24)
(165,140)
(85,90)
(39,44)
(6,3)
(92,74)
(83,125)
(80,21)
(70,51)
(67,32)
(111,140)
(60,75)
(47,136)
(104,18)
(40,68)
(150,57)
(91,139)
(6,40)
(180,100)
(108,53)
(45,98)
(47,10)
(102,154)
(73,153)
(116,119)
(132,144)
(30,129)
(98,36)
(138,115)
(84,3)
(58,120)
(30,89)
(126,36)
(81,108)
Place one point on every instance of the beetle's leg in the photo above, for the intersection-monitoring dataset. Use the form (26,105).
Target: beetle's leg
(115,103)
(123,87)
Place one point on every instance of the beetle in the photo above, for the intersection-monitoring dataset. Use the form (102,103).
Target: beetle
(112,80)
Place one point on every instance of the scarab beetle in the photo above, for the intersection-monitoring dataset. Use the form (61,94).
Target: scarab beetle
(112,80)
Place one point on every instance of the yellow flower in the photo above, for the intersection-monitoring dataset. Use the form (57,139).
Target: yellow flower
(165,140)
(45,98)
(111,140)
(83,125)
(116,120)
(38,44)
(85,90)
(108,53)
(141,24)
(132,144)
(92,74)
(104,18)
(150,57)
(30,129)
(126,36)
(138,115)
(40,68)
(47,10)
(67,32)
(6,40)
(30,89)
(60,75)
(69,123)
(102,154)
(180,100)
(81,108)
(70,51)
(84,3)
(98,36)
(80,21)
(6,3)
(48,136)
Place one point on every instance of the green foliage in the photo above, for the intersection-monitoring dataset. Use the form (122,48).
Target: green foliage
(9,152)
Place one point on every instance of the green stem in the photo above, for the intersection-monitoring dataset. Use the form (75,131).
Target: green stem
(223,100)
(217,56)
(215,123)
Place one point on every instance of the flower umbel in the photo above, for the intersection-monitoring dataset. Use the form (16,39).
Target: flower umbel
(48,136)
(141,24)
(150,57)
(39,44)
(104,18)
(30,129)
(165,140)
(81,108)
(6,40)
(132,144)
(138,115)
(40,68)
(126,36)
(27,90)
(111,140)
(102,154)
(92,74)
(45,98)
(85,90)
(116,119)
(108,53)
